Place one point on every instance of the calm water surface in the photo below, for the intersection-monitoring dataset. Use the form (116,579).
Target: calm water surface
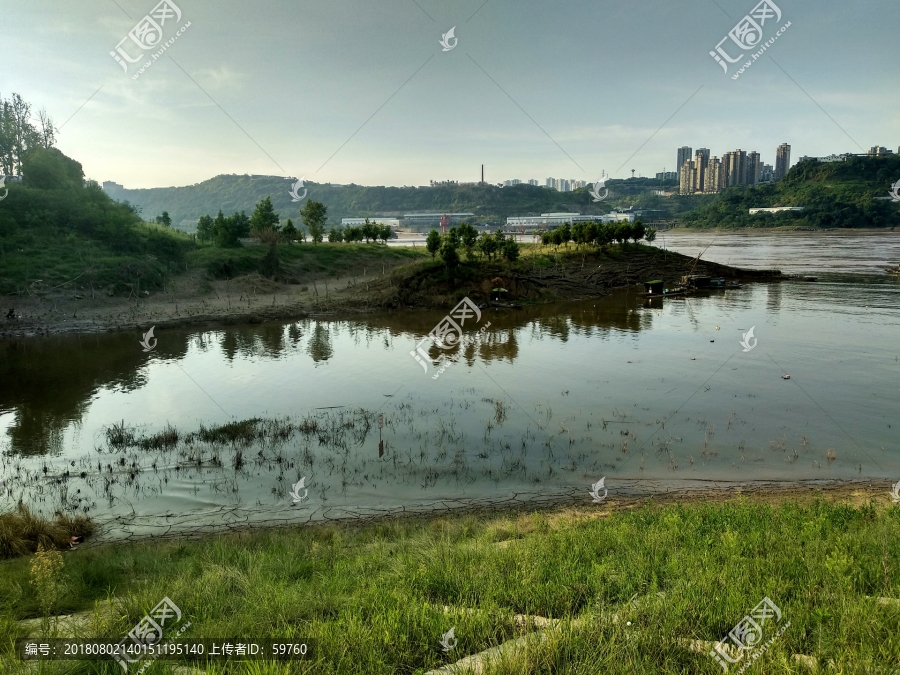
(544,401)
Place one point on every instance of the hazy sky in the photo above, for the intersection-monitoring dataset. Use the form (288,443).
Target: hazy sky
(363,92)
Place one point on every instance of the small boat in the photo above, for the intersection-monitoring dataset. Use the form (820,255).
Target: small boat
(895,270)
(720,283)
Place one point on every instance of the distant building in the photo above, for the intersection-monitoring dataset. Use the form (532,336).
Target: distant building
(754,166)
(828,159)
(684,154)
(776,209)
(766,173)
(414,219)
(436,183)
(393,222)
(687,178)
(879,150)
(532,181)
(514,181)
(714,180)
(110,186)
(782,160)
(551,220)
(667,175)
(701,159)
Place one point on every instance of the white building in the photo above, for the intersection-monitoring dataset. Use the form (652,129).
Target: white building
(776,209)
(551,220)
(393,222)
(532,181)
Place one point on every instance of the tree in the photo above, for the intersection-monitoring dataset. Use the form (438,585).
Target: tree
(205,230)
(49,169)
(511,250)
(650,234)
(487,244)
(228,231)
(264,217)
(433,242)
(384,233)
(566,233)
(289,231)
(335,235)
(314,217)
(18,136)
(556,237)
(448,251)
(638,230)
(579,232)
(468,237)
(164,219)
(452,236)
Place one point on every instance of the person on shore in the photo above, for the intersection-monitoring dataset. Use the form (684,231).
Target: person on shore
(11,314)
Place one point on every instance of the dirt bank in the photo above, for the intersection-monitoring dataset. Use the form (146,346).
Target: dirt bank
(192,299)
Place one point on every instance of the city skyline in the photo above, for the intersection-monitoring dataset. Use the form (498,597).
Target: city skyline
(269,90)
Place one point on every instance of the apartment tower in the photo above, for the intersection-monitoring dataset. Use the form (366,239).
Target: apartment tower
(782,160)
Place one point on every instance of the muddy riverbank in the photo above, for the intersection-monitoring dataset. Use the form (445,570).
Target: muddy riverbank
(192,299)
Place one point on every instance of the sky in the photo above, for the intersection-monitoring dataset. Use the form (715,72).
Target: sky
(364,92)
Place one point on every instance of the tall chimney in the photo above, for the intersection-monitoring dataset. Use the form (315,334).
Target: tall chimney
(482,173)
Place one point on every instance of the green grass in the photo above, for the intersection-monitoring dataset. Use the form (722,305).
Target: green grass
(373,595)
(299,261)
(21,531)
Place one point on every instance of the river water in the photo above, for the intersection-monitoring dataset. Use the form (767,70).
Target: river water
(537,403)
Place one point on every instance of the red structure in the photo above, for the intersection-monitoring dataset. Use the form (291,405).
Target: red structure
(445,220)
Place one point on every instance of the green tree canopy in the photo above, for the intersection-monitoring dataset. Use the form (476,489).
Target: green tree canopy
(314,217)
(433,242)
(264,216)
(49,169)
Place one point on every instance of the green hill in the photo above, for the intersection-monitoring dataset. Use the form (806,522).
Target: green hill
(488,202)
(56,228)
(852,193)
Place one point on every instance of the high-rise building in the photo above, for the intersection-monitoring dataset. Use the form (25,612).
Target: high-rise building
(687,178)
(701,159)
(532,181)
(782,160)
(754,166)
(714,180)
(766,173)
(667,175)
(734,165)
(684,154)
(551,183)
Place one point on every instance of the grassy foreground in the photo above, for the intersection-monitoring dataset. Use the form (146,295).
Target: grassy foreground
(632,587)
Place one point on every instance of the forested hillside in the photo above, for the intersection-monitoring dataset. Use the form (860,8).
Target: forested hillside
(853,193)
(489,202)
